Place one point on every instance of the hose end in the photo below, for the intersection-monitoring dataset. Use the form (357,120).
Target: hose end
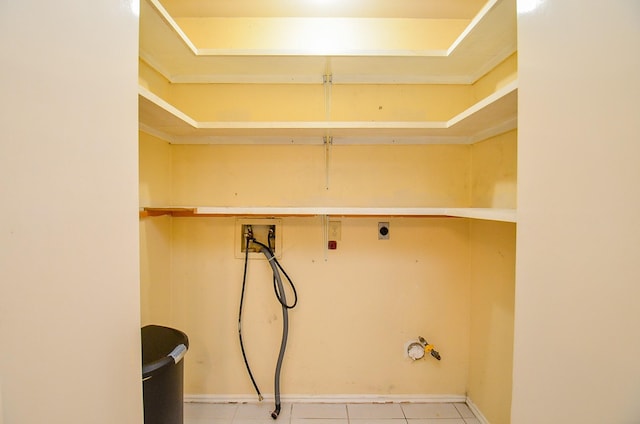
(249,232)
(275,413)
(260,398)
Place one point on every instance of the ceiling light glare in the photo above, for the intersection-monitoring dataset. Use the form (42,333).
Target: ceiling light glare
(528,6)
(132,5)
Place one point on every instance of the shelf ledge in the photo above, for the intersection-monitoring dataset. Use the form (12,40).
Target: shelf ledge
(502,215)
(488,117)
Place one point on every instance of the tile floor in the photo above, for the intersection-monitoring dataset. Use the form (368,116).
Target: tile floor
(330,413)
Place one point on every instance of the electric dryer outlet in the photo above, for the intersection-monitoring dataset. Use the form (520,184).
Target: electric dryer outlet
(383,231)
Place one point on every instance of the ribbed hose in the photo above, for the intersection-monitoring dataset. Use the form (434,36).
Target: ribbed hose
(280,294)
(282,299)
(285,329)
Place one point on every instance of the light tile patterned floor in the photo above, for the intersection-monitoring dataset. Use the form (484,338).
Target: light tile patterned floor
(330,413)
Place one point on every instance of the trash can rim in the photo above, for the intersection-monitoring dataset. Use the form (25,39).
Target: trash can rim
(172,358)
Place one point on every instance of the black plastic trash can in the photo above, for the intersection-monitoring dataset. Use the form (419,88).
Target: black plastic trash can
(163,374)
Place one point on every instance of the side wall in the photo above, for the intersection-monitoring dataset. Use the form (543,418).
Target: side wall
(69,271)
(492,259)
(494,172)
(492,250)
(577,312)
(155,232)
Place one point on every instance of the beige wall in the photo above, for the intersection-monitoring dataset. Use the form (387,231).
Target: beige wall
(503,74)
(356,309)
(577,313)
(324,35)
(295,176)
(492,250)
(384,292)
(155,270)
(437,277)
(150,79)
(494,172)
(306,102)
(155,232)
(335,102)
(69,270)
(369,296)
(154,171)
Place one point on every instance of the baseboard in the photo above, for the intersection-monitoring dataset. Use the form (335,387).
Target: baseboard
(346,398)
(476,411)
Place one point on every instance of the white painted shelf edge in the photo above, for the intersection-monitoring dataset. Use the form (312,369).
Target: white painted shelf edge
(501,93)
(491,214)
(176,29)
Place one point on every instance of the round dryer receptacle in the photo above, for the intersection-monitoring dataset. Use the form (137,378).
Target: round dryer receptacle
(383,231)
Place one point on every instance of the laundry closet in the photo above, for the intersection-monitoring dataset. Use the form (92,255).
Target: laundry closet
(412,126)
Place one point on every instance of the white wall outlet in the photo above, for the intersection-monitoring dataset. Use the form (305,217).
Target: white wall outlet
(335,230)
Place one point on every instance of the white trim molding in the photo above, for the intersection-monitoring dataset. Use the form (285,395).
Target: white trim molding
(346,398)
(476,411)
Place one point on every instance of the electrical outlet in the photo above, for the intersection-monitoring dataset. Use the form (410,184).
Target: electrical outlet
(383,231)
(335,230)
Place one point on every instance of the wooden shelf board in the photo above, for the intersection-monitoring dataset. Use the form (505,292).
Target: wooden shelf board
(173,211)
(504,215)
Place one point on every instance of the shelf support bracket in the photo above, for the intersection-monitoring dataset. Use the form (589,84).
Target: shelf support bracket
(325,236)
(328,142)
(327,82)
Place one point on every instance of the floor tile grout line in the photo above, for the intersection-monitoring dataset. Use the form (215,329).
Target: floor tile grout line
(235,413)
(350,417)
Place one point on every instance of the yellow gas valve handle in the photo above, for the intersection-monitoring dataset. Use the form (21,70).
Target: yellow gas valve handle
(426,347)
(431,349)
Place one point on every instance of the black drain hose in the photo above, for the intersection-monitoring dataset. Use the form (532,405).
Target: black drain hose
(244,355)
(278,287)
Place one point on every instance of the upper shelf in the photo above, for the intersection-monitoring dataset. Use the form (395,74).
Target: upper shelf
(502,215)
(491,116)
(481,44)
(186,49)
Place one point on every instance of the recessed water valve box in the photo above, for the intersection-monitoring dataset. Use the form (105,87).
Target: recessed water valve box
(267,231)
